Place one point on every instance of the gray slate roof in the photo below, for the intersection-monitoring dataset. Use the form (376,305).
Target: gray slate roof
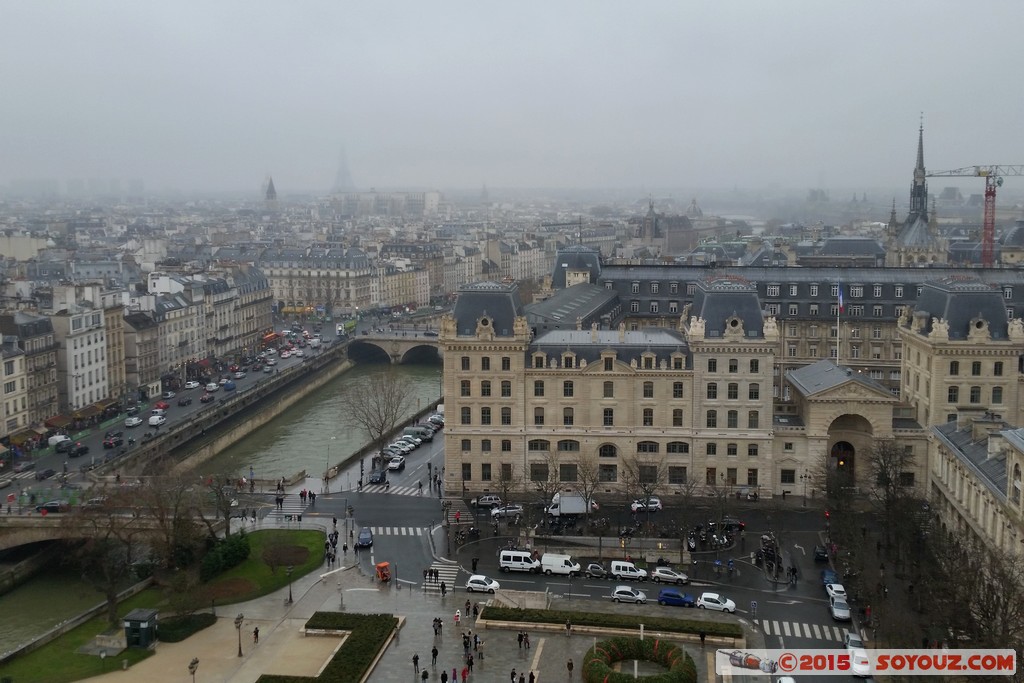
(974,454)
(916,235)
(959,301)
(718,300)
(498,301)
(589,345)
(825,375)
(575,257)
(851,246)
(569,304)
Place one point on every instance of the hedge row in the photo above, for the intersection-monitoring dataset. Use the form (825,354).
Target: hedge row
(597,663)
(225,554)
(350,663)
(608,620)
(177,629)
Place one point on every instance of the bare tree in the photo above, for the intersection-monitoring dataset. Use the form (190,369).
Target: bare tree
(378,404)
(105,557)
(887,462)
(588,479)
(174,506)
(646,474)
(509,481)
(545,487)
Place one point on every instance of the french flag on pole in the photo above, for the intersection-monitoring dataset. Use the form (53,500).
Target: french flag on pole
(841,298)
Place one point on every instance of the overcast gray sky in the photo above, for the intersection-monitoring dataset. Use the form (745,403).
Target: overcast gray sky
(213,95)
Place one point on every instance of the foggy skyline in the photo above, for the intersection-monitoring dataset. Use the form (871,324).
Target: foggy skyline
(191,96)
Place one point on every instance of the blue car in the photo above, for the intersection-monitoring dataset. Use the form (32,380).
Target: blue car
(365,538)
(828,576)
(229,386)
(671,596)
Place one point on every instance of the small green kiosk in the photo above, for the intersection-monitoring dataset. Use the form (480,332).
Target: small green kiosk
(140,627)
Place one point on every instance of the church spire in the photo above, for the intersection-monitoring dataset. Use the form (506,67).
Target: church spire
(894,227)
(919,189)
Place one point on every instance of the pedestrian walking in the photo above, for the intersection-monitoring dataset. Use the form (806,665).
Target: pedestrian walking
(522,678)
(444,676)
(476,642)
(444,589)
(424,675)
(416,663)
(433,656)
(458,616)
(469,663)
(425,572)
(512,676)
(569,667)
(344,548)
(568,628)
(533,677)
(256,635)
(480,650)
(465,674)
(520,639)
(454,678)
(703,635)
(526,640)
(467,607)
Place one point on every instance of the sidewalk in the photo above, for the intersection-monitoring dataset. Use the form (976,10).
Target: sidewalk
(284,649)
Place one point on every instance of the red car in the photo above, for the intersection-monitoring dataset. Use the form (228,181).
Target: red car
(206,398)
(162,405)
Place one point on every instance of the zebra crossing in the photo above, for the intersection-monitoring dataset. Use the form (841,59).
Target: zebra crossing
(291,508)
(397,490)
(448,573)
(398,530)
(793,629)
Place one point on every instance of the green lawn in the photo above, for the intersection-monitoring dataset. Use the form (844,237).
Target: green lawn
(302,549)
(57,662)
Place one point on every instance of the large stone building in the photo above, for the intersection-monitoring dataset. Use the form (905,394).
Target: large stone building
(34,335)
(719,381)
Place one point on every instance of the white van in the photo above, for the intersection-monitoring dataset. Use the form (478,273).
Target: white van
(627,570)
(518,561)
(54,440)
(158,411)
(553,563)
(157,420)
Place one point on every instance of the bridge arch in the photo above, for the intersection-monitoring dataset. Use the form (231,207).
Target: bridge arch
(394,350)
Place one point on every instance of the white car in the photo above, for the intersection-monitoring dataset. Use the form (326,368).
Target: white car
(271,361)
(413,441)
(482,584)
(191,384)
(212,386)
(860,665)
(629,594)
(298,352)
(669,576)
(239,375)
(132,422)
(271,351)
(714,601)
(652,504)
(168,394)
(839,609)
(402,446)
(835,590)
(285,354)
(157,420)
(397,463)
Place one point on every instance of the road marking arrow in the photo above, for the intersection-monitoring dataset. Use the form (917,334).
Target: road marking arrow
(800,548)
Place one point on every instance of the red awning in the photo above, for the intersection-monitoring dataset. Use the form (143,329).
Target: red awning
(270,337)
(205,363)
(58,421)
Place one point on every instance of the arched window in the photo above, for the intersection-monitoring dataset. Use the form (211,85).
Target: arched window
(607,451)
(506,416)
(609,389)
(753,420)
(648,417)
(485,388)
(677,447)
(733,391)
(539,445)
(464,416)
(538,416)
(754,391)
(647,447)
(975,394)
(733,419)
(506,388)
(568,445)
(464,388)
(997,394)
(648,389)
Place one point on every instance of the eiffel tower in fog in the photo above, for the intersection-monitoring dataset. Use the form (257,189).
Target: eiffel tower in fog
(343,179)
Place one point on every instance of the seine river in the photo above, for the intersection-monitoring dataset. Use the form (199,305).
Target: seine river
(297,439)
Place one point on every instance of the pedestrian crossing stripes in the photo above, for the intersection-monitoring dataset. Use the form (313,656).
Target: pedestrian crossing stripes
(793,629)
(291,507)
(397,530)
(447,573)
(394,490)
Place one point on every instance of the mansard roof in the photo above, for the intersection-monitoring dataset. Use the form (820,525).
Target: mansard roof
(961,300)
(498,301)
(851,246)
(628,345)
(721,298)
(575,257)
(990,471)
(565,306)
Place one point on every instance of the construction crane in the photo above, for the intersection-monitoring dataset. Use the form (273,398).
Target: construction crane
(993,176)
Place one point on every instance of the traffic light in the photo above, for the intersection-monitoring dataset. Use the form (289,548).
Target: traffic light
(828,514)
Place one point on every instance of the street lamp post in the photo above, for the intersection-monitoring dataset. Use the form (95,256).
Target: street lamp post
(192,666)
(289,571)
(238,627)
(805,478)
